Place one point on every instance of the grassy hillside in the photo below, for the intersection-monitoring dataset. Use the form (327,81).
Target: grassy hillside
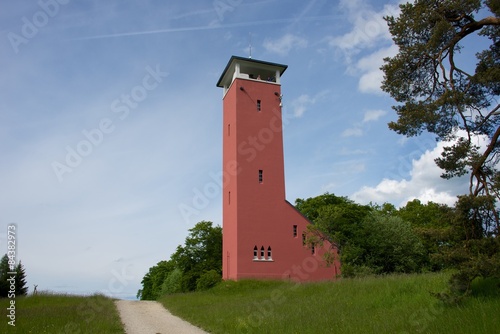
(55,313)
(393,304)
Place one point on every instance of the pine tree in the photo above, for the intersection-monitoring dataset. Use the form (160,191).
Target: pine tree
(21,285)
(4,269)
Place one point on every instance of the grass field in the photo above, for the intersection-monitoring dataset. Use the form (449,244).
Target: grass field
(392,304)
(56,313)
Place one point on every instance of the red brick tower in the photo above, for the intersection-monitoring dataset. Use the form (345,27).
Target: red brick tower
(262,231)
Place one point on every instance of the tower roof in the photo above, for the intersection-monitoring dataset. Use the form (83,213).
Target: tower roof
(247,65)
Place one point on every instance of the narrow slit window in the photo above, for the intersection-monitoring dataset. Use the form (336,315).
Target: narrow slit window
(304,238)
(269,253)
(261,178)
(229,197)
(229,129)
(295,231)
(262,253)
(258,105)
(313,250)
(255,253)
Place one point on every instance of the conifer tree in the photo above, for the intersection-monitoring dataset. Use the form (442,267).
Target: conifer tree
(21,285)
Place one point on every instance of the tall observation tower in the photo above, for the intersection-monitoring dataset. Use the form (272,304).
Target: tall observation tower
(262,231)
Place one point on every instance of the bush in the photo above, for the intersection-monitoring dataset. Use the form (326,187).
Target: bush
(208,280)
(350,271)
(172,283)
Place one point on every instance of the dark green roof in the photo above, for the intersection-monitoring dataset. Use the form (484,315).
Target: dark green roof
(248,61)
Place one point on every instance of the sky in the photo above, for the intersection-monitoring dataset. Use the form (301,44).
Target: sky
(111,124)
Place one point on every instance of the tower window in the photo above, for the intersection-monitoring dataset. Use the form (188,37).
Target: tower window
(262,253)
(269,254)
(255,253)
(261,178)
(304,238)
(258,105)
(229,129)
(295,231)
(229,197)
(313,250)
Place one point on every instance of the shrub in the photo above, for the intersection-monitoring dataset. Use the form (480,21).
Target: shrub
(208,280)
(172,283)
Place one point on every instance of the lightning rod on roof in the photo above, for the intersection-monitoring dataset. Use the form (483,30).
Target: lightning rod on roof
(250,44)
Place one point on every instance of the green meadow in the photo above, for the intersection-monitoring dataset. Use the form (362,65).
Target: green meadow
(389,304)
(61,314)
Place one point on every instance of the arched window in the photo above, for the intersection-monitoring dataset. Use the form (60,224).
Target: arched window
(269,253)
(255,254)
(262,253)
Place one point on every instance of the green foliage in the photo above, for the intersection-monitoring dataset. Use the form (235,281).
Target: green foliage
(310,207)
(152,282)
(21,288)
(371,240)
(336,220)
(4,269)
(438,91)
(201,252)
(390,245)
(457,100)
(474,253)
(172,283)
(432,222)
(21,285)
(208,280)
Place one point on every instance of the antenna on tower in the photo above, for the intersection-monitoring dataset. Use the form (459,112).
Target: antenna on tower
(250,44)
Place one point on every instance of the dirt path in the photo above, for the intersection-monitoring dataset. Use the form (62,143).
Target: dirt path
(149,317)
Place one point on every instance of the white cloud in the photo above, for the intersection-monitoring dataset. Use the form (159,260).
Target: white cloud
(369,27)
(424,184)
(369,31)
(369,67)
(373,115)
(300,104)
(352,132)
(285,44)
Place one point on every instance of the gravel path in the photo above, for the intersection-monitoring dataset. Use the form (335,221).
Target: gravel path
(150,317)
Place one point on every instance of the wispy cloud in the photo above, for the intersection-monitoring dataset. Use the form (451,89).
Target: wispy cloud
(352,132)
(373,115)
(212,26)
(282,46)
(368,26)
(304,101)
(369,68)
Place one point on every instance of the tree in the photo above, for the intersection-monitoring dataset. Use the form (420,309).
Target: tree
(21,288)
(4,269)
(432,222)
(172,283)
(202,251)
(470,250)
(153,280)
(336,220)
(390,245)
(437,90)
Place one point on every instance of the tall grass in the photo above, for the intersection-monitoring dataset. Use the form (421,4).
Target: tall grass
(392,304)
(57,313)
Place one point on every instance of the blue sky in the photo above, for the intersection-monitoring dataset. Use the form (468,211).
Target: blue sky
(110,124)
